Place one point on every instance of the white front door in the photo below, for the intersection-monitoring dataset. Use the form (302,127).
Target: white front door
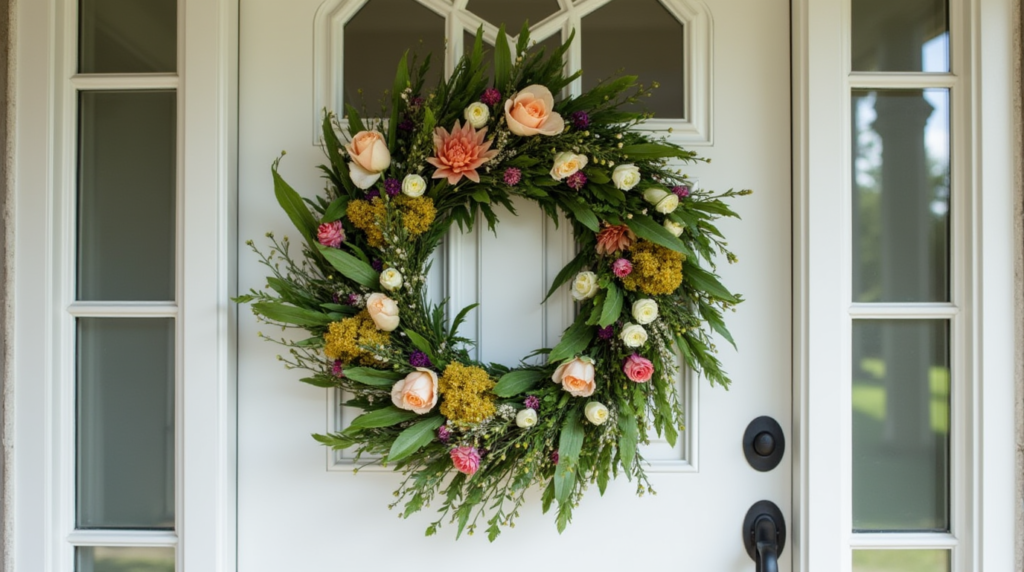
(301,508)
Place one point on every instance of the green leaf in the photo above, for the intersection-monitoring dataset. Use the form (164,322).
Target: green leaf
(355,124)
(290,314)
(569,444)
(420,342)
(582,213)
(715,207)
(596,307)
(385,417)
(612,306)
(401,82)
(481,196)
(518,381)
(502,60)
(335,210)
(714,319)
(655,151)
(646,228)
(294,207)
(320,381)
(597,176)
(413,438)
(627,438)
(567,273)
(459,319)
(547,497)
(350,266)
(703,280)
(373,377)
(575,339)
(335,441)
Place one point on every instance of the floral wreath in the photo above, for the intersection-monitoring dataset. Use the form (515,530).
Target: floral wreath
(645,239)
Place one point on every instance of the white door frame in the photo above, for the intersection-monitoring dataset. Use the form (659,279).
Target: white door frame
(36,458)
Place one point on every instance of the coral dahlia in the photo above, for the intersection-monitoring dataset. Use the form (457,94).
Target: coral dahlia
(460,153)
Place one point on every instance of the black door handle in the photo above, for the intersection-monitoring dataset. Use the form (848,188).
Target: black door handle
(764,535)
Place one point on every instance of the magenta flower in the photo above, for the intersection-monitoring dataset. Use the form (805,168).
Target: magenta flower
(554,457)
(580,120)
(392,187)
(443,434)
(606,333)
(576,180)
(622,267)
(513,176)
(336,369)
(532,402)
(491,96)
(638,368)
(681,191)
(331,234)
(466,459)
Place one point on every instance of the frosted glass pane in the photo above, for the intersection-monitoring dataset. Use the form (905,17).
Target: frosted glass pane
(376,38)
(903,36)
(125,423)
(513,14)
(128,36)
(126,195)
(123,559)
(644,39)
(901,561)
(901,403)
(901,198)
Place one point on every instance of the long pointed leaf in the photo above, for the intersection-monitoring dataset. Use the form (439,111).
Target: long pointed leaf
(372,377)
(294,207)
(502,60)
(290,314)
(414,438)
(351,267)
(386,417)
(515,382)
(645,227)
(612,306)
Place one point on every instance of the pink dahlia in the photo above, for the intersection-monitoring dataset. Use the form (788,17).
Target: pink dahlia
(466,459)
(331,234)
(460,153)
(638,368)
(622,267)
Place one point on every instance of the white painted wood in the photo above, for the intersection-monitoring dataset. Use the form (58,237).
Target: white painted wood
(125,81)
(114,309)
(122,538)
(296,513)
(885,311)
(903,540)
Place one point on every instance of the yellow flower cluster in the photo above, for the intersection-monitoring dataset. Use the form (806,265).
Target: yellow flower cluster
(656,269)
(417,214)
(466,393)
(343,339)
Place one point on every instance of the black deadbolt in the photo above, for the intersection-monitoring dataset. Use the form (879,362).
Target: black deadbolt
(764,443)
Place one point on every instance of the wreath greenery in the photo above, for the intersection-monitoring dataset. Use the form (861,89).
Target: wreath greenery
(643,277)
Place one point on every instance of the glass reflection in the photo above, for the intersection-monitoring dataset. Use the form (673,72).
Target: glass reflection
(128,36)
(123,559)
(901,561)
(901,397)
(901,197)
(904,36)
(513,14)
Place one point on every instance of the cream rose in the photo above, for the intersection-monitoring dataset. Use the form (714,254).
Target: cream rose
(584,286)
(526,418)
(633,335)
(626,176)
(370,156)
(383,311)
(596,413)
(417,392)
(576,376)
(567,163)
(413,186)
(645,311)
(477,114)
(530,112)
(663,201)
(391,279)
(674,227)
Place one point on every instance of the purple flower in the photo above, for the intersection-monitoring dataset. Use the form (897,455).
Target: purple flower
(532,402)
(622,267)
(419,359)
(554,457)
(513,176)
(353,299)
(681,191)
(580,120)
(393,187)
(370,195)
(606,333)
(576,180)
(416,101)
(407,125)
(336,369)
(491,96)
(377,265)
(443,434)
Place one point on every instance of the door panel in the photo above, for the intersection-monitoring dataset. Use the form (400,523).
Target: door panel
(296,514)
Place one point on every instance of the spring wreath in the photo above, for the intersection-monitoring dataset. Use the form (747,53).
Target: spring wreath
(473,437)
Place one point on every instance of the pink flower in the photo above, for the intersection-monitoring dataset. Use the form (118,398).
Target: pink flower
(638,368)
(622,267)
(460,153)
(331,234)
(614,238)
(466,459)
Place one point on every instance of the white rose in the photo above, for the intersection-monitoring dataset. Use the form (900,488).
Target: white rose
(584,286)
(526,418)
(626,176)
(567,163)
(413,186)
(383,311)
(391,279)
(477,114)
(663,201)
(596,413)
(674,227)
(633,335)
(645,311)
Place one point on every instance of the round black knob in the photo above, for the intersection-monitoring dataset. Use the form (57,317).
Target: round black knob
(764,444)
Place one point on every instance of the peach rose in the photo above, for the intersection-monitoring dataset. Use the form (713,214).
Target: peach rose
(530,112)
(576,376)
(383,311)
(417,392)
(369,153)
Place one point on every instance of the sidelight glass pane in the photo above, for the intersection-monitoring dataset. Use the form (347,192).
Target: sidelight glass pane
(126,195)
(125,423)
(390,27)
(901,403)
(513,14)
(901,561)
(903,36)
(901,198)
(124,559)
(128,36)
(623,35)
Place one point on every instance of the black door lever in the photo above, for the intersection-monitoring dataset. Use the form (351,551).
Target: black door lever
(764,535)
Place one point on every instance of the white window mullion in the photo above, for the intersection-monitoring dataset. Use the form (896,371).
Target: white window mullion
(142,538)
